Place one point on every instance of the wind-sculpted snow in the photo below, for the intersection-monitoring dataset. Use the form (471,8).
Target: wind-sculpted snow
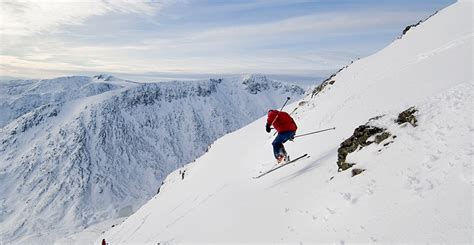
(102,153)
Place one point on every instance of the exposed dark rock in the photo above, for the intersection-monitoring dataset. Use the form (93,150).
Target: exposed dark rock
(255,86)
(361,135)
(407,28)
(407,116)
(376,118)
(358,139)
(159,188)
(357,171)
(320,88)
(104,77)
(325,83)
(302,103)
(381,137)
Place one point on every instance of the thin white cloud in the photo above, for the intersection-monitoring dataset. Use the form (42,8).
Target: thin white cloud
(308,27)
(29,17)
(317,23)
(260,47)
(234,6)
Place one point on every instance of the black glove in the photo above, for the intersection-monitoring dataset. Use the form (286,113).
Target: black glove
(267,127)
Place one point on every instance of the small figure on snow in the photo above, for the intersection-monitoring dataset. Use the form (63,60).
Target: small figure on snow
(286,128)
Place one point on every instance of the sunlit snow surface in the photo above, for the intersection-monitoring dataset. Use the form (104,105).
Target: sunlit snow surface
(416,189)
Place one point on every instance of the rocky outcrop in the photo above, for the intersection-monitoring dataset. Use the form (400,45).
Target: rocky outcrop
(358,140)
(409,27)
(407,116)
(357,171)
(329,81)
(367,134)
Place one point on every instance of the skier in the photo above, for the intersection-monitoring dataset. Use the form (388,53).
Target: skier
(286,128)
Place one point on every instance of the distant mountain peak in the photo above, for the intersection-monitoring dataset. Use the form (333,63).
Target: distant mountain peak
(105,77)
(256,83)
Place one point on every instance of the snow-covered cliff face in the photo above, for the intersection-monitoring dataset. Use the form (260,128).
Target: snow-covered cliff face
(18,97)
(416,187)
(91,149)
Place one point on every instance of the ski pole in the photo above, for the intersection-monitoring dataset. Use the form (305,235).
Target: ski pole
(290,115)
(287,99)
(315,132)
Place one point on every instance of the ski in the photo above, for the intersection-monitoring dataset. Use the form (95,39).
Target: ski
(279,166)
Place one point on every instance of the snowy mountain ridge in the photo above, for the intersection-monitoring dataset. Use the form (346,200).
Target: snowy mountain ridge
(18,97)
(93,149)
(414,178)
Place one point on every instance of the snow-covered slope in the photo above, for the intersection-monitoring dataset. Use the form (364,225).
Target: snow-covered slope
(18,97)
(97,148)
(417,183)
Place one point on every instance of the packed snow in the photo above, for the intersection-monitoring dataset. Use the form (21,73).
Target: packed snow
(417,183)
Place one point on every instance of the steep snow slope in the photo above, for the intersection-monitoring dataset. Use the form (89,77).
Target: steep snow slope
(75,162)
(417,186)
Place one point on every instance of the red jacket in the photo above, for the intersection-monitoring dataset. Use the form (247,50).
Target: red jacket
(283,121)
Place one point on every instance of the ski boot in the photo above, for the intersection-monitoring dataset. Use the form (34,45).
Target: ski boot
(282,158)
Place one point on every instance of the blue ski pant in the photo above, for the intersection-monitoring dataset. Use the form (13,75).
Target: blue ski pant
(281,138)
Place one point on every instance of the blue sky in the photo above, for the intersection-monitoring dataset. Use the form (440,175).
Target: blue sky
(195,38)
